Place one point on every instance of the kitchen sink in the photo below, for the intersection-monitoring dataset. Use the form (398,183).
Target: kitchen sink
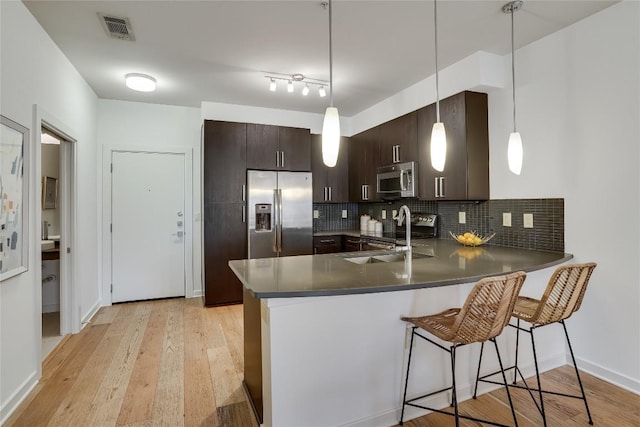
(371,259)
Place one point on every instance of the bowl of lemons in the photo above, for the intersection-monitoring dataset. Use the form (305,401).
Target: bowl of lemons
(471,238)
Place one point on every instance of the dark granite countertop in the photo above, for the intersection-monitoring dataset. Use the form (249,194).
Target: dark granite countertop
(435,262)
(351,233)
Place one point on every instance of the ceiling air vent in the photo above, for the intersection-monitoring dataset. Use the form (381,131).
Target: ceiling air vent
(117,27)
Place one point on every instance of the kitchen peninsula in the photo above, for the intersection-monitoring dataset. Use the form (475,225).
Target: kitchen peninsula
(324,343)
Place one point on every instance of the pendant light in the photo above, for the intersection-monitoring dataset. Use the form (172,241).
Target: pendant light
(438,134)
(514,149)
(331,124)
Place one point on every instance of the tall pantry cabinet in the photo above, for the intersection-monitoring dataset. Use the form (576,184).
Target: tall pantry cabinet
(225,231)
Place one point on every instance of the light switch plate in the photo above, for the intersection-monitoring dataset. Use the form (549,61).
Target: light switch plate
(506,219)
(527,220)
(462,217)
(383,215)
(316,214)
(344,213)
(394,213)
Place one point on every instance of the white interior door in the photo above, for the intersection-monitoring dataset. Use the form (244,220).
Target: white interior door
(148,244)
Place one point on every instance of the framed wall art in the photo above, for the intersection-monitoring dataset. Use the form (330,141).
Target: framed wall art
(14,197)
(49,192)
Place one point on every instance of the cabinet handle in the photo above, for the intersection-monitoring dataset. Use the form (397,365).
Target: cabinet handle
(277,159)
(327,241)
(330,194)
(325,194)
(435,181)
(282,159)
(244,214)
(442,186)
(398,153)
(244,193)
(366,192)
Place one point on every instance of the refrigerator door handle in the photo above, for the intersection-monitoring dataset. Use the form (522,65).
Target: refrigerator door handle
(279,226)
(275,221)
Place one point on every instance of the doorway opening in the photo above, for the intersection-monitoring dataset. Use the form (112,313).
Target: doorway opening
(56,154)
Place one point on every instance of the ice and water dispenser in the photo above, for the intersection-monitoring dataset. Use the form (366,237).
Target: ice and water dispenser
(263,217)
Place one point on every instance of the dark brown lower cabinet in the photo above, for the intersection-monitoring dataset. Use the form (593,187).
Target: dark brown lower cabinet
(225,239)
(350,244)
(327,244)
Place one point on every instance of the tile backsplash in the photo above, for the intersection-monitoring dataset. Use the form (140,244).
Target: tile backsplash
(482,217)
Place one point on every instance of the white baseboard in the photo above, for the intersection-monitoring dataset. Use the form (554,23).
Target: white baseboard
(465,392)
(92,312)
(606,374)
(17,397)
(197,293)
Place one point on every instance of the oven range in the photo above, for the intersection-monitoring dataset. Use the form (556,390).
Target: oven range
(423,226)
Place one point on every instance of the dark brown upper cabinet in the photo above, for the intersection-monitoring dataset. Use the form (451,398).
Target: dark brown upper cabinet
(278,148)
(466,172)
(224,152)
(363,162)
(398,140)
(330,184)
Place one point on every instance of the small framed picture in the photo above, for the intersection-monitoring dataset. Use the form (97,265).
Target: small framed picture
(49,192)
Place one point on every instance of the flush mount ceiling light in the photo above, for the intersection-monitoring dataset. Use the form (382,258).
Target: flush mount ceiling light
(140,82)
(514,149)
(438,134)
(331,124)
(293,80)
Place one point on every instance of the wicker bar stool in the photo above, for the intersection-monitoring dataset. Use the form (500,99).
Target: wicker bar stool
(483,316)
(562,297)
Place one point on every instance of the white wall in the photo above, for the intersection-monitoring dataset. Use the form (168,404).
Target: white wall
(578,96)
(34,71)
(134,125)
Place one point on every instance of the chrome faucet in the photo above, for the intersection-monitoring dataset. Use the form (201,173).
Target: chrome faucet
(405,214)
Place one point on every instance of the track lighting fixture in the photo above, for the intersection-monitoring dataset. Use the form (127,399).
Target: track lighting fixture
(295,79)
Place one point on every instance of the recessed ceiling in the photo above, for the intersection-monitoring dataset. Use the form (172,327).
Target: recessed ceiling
(220,51)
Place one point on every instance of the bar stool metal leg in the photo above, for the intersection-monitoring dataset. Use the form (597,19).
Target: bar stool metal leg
(454,397)
(475,389)
(506,385)
(535,362)
(515,370)
(406,380)
(575,366)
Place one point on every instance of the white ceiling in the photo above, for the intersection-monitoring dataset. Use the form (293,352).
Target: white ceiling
(219,51)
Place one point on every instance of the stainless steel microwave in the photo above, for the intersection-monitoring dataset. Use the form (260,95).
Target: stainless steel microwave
(398,180)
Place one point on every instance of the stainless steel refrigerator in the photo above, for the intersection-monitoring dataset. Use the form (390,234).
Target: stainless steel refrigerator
(279,212)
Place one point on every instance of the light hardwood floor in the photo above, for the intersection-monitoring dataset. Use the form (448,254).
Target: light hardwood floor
(175,363)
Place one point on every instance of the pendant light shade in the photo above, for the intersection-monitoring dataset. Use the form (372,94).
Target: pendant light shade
(438,146)
(438,134)
(515,152)
(330,137)
(331,124)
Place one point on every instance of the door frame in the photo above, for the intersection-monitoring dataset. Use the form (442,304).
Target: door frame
(70,322)
(107,200)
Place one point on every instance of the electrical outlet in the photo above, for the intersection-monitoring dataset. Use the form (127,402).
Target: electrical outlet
(394,213)
(462,217)
(344,213)
(316,214)
(506,219)
(527,219)
(383,215)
